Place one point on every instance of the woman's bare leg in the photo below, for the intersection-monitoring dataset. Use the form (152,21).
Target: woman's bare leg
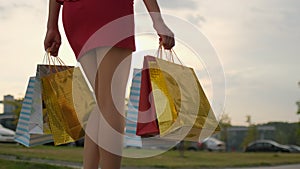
(112,79)
(91,156)
(112,75)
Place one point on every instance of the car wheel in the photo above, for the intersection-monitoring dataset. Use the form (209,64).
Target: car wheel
(192,149)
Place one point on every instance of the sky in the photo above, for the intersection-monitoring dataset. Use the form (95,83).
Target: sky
(257,43)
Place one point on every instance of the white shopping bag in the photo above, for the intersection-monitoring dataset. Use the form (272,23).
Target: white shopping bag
(131,139)
(36,116)
(23,135)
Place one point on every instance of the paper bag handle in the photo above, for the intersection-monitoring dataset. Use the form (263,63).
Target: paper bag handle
(172,53)
(48,59)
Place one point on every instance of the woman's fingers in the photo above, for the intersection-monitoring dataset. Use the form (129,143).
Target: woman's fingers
(166,36)
(168,42)
(54,48)
(52,42)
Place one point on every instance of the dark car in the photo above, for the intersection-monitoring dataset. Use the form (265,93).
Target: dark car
(294,148)
(267,146)
(80,142)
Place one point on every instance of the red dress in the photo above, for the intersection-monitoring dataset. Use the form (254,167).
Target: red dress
(99,19)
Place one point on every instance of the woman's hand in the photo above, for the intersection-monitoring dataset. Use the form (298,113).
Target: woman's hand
(166,35)
(52,41)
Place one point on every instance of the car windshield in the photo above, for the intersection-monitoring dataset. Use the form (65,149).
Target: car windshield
(274,143)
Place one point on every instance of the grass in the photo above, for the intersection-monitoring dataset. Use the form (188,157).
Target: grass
(172,159)
(72,154)
(169,159)
(24,165)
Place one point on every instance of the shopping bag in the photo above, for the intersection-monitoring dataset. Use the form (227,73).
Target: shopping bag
(131,139)
(22,131)
(36,115)
(44,70)
(147,125)
(68,101)
(164,95)
(182,108)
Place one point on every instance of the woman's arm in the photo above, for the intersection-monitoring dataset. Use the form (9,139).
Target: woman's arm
(53,39)
(165,34)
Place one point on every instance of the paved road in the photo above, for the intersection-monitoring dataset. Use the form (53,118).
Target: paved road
(79,165)
(292,166)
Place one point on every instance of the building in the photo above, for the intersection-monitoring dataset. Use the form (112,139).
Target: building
(298,103)
(237,134)
(10,106)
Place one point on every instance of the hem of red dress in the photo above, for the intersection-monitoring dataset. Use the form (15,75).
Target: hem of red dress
(79,55)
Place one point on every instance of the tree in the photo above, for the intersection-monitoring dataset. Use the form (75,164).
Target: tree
(298,103)
(181,148)
(252,133)
(248,120)
(225,123)
(298,134)
(298,112)
(225,120)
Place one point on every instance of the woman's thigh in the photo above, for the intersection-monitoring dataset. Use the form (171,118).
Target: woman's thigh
(113,70)
(114,65)
(89,65)
(107,69)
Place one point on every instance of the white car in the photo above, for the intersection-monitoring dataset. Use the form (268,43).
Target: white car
(213,144)
(209,144)
(6,135)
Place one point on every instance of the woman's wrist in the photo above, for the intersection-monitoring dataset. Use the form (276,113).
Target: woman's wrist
(159,26)
(52,27)
(158,21)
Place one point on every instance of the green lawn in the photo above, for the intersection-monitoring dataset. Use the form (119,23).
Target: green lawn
(24,165)
(170,159)
(73,154)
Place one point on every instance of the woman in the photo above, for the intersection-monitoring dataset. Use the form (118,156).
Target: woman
(102,63)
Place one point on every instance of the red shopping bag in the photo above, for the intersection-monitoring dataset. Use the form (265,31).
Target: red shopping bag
(147,124)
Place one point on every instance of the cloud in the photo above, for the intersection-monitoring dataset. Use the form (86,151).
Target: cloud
(258,43)
(8,8)
(3,12)
(22,31)
(196,19)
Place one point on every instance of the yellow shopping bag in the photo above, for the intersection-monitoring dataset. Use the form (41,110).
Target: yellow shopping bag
(44,70)
(182,108)
(69,102)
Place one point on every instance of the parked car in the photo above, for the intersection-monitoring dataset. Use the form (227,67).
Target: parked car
(80,142)
(6,135)
(210,144)
(294,148)
(266,146)
(213,144)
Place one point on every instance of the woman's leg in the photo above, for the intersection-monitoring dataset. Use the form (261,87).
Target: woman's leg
(91,155)
(112,76)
